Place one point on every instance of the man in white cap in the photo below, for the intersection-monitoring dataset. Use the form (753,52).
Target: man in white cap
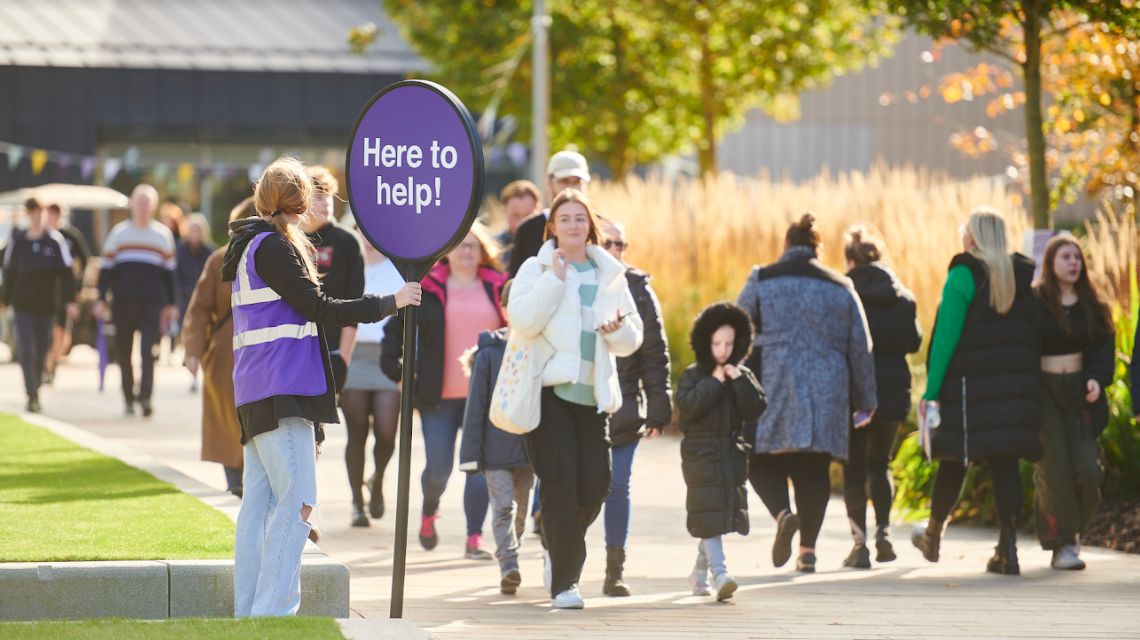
(566,170)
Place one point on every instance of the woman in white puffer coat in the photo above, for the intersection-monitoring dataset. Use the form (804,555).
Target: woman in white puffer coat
(575,295)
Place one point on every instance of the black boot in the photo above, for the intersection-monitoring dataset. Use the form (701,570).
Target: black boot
(884,551)
(615,561)
(1004,561)
(928,538)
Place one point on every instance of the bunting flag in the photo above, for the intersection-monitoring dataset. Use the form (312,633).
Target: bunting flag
(86,168)
(15,154)
(111,167)
(39,159)
(160,172)
(186,172)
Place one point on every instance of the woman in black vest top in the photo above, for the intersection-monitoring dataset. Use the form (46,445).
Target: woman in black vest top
(983,378)
(1077,363)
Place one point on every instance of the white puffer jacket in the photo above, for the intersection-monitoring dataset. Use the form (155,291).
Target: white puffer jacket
(541,304)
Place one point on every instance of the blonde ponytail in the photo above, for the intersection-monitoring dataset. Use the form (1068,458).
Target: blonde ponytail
(991,246)
(286,188)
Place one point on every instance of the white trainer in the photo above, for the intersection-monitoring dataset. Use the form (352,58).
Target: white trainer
(568,599)
(724,585)
(1068,558)
(699,581)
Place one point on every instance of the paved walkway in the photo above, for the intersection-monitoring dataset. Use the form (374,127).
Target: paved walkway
(452,597)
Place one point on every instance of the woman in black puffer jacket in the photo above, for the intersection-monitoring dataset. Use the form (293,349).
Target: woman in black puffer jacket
(891,318)
(716,397)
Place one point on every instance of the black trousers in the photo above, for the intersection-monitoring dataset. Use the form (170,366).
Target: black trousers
(570,454)
(33,341)
(951,475)
(136,317)
(808,470)
(867,466)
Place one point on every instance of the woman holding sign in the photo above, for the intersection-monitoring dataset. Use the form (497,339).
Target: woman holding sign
(575,295)
(283,384)
(462,302)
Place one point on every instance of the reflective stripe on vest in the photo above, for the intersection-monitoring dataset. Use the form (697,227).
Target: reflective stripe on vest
(269,334)
(245,295)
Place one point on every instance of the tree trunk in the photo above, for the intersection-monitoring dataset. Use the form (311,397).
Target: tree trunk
(619,152)
(706,146)
(1034,124)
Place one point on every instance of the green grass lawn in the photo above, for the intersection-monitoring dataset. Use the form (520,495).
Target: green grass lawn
(60,501)
(183,629)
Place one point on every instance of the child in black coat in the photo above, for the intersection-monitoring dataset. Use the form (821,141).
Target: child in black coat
(718,398)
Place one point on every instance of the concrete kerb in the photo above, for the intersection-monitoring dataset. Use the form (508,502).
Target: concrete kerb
(151,589)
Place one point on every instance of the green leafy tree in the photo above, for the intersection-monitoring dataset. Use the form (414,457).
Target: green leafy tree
(1018,31)
(635,81)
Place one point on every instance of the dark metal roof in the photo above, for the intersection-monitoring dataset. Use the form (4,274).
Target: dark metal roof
(224,35)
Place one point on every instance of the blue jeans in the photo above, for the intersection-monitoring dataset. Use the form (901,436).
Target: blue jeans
(441,425)
(280,480)
(617,504)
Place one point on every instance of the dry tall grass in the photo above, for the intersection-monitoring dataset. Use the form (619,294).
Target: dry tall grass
(700,240)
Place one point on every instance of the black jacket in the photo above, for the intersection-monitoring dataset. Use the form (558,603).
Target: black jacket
(279,265)
(714,456)
(529,238)
(893,322)
(644,376)
(485,446)
(991,393)
(429,355)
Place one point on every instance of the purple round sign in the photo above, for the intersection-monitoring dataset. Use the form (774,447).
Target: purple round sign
(415,171)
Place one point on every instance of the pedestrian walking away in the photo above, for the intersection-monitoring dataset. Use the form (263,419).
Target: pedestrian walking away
(138,276)
(498,455)
(59,218)
(1078,361)
(283,384)
(719,399)
(982,380)
(461,301)
(207,333)
(38,283)
(812,355)
(370,399)
(892,320)
(646,408)
(575,296)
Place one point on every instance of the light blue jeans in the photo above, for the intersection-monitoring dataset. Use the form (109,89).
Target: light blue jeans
(280,480)
(710,554)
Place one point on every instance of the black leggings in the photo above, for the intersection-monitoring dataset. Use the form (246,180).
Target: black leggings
(951,475)
(867,466)
(364,411)
(769,473)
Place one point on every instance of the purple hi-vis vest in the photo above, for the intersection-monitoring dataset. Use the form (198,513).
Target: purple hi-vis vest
(276,351)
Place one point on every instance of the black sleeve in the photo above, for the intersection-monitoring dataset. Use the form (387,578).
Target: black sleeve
(354,280)
(392,348)
(278,264)
(1100,360)
(653,358)
(750,400)
(528,240)
(11,273)
(697,393)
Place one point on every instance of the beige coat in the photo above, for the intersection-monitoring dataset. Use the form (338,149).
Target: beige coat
(207,333)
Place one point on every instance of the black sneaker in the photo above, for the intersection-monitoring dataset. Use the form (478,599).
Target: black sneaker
(130,410)
(376,498)
(34,405)
(806,563)
(147,409)
(786,527)
(859,558)
(884,550)
(359,518)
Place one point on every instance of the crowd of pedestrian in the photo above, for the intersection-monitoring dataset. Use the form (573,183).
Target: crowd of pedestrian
(297,315)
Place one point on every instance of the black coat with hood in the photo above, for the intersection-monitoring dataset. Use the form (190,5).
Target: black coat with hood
(644,376)
(893,321)
(483,445)
(281,268)
(714,416)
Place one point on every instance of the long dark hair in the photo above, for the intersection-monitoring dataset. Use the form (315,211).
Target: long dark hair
(1088,296)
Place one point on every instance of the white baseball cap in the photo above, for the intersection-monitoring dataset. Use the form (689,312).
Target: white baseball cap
(565,164)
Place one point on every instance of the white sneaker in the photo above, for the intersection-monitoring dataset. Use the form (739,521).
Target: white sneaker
(1067,558)
(546,579)
(699,580)
(725,586)
(568,599)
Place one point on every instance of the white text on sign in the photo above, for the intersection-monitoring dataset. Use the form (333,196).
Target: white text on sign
(413,191)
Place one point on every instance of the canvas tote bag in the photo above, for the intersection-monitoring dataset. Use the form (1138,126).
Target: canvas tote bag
(516,403)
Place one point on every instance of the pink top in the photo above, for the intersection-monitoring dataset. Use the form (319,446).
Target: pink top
(468,312)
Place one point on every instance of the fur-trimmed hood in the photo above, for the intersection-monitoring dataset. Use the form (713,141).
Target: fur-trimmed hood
(712,318)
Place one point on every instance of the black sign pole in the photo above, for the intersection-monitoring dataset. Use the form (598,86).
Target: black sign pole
(407,396)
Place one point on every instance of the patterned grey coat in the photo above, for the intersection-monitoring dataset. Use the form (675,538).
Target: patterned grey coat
(812,354)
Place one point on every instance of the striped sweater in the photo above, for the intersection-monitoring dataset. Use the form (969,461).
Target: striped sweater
(138,264)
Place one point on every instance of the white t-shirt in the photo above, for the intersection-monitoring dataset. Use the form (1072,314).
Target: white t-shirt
(380,279)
